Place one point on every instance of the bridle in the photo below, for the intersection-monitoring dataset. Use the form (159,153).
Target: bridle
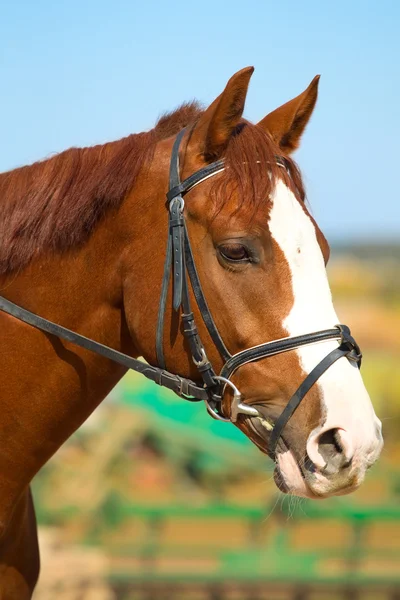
(179,260)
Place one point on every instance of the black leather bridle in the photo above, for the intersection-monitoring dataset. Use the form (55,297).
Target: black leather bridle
(179,260)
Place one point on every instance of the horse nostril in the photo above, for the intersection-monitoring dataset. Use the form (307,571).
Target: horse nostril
(331,450)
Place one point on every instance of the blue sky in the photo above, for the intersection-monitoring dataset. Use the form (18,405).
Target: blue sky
(84,72)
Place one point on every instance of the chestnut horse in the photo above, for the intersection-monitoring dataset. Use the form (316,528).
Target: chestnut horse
(83,242)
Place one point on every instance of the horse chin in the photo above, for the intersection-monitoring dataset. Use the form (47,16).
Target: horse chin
(299,478)
(288,476)
(290,479)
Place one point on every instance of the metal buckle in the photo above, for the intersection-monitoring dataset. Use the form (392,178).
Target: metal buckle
(160,374)
(183,387)
(183,391)
(355,354)
(181,203)
(203,361)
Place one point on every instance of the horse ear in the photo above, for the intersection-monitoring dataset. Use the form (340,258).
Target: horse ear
(214,128)
(287,123)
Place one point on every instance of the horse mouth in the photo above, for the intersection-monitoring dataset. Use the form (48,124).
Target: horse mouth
(292,476)
(280,482)
(289,477)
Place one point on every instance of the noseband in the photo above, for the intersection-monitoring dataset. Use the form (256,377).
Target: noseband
(179,260)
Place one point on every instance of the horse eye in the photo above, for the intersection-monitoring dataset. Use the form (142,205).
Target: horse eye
(235,252)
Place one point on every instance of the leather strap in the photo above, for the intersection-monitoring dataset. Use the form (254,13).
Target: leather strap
(162,305)
(178,249)
(197,177)
(201,300)
(175,257)
(197,349)
(277,347)
(176,223)
(174,178)
(175,229)
(302,390)
(180,385)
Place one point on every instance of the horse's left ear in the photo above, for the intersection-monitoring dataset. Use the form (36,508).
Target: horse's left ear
(216,125)
(287,123)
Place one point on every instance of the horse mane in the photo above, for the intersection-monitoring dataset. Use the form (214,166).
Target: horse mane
(55,204)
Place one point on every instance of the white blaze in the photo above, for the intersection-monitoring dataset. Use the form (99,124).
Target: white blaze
(345,401)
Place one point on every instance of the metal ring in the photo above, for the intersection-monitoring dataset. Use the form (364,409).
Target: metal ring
(238,407)
(214,414)
(236,394)
(228,382)
(210,410)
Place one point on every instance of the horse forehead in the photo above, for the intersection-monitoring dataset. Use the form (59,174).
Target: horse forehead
(281,210)
(291,223)
(230,217)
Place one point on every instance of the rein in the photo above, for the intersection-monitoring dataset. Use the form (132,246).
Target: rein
(179,260)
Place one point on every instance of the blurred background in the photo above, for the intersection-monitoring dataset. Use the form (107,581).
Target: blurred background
(151,498)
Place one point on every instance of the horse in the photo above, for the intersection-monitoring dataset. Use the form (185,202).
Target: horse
(89,245)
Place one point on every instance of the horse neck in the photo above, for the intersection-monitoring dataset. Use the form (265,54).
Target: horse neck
(86,288)
(53,385)
(80,289)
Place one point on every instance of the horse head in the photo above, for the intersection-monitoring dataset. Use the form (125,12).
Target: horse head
(260,258)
